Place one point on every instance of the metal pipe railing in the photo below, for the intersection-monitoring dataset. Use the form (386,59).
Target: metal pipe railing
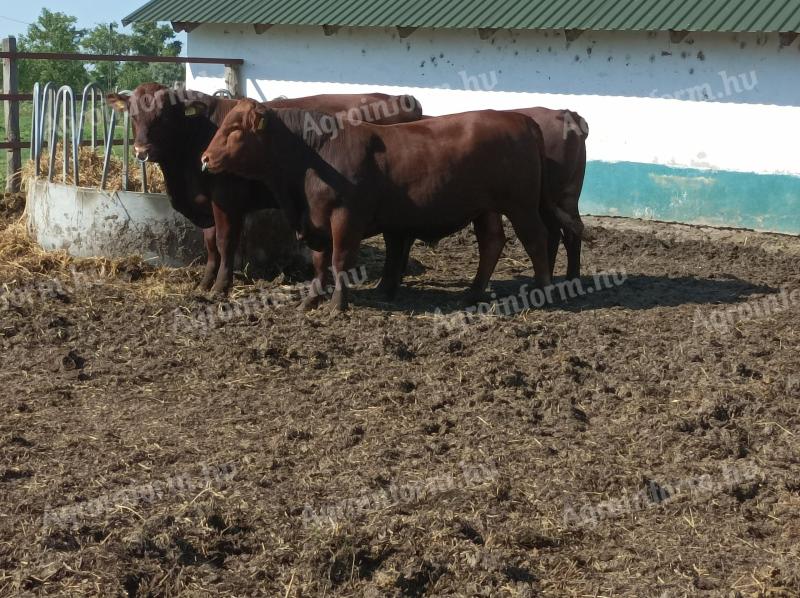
(43,104)
(109,139)
(44,131)
(91,93)
(65,99)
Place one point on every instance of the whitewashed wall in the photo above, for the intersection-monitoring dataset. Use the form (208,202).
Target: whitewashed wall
(622,83)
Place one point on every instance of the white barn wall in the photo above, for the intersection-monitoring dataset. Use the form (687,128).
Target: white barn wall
(657,147)
(615,80)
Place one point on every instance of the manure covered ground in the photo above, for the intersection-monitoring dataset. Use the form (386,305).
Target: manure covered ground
(639,440)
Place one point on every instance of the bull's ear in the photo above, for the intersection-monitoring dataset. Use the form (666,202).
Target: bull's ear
(195,108)
(118,101)
(256,120)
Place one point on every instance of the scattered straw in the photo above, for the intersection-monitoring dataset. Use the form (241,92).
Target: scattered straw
(22,262)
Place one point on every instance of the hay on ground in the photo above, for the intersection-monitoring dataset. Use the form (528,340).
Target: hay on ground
(24,262)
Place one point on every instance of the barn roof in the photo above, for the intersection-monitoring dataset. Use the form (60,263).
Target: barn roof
(604,15)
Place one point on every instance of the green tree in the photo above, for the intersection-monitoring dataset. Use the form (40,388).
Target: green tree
(57,32)
(52,32)
(145,39)
(105,39)
(151,39)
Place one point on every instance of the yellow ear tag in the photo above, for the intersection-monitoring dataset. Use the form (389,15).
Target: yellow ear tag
(120,105)
(190,111)
(262,124)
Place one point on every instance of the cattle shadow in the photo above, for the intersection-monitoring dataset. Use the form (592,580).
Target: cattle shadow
(298,270)
(635,292)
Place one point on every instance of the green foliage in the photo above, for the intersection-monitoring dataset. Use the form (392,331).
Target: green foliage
(154,40)
(105,39)
(57,32)
(52,32)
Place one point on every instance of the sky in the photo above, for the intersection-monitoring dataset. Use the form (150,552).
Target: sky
(15,15)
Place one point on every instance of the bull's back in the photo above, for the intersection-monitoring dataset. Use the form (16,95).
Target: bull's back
(378,108)
(487,139)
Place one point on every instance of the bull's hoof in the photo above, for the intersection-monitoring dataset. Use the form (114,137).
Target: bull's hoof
(311,302)
(215,296)
(339,302)
(473,297)
(218,293)
(205,285)
(387,289)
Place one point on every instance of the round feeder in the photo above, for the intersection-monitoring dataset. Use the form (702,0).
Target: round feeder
(93,223)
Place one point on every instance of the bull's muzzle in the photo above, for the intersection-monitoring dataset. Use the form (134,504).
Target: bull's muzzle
(142,154)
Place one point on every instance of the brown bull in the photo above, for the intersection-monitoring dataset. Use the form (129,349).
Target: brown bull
(564,135)
(173,128)
(425,180)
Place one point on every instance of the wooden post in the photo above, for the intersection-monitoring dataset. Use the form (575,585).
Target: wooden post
(233,81)
(11,112)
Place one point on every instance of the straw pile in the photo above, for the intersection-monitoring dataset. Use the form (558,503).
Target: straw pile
(90,171)
(23,262)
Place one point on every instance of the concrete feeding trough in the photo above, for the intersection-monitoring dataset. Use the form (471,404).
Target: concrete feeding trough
(93,223)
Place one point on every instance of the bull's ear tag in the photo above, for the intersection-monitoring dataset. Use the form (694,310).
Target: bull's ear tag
(262,124)
(190,111)
(120,105)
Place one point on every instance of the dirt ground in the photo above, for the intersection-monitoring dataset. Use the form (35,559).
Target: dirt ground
(641,440)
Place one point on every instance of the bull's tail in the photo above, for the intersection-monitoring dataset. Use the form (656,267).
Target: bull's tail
(570,222)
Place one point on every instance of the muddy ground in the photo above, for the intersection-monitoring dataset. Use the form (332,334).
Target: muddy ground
(641,440)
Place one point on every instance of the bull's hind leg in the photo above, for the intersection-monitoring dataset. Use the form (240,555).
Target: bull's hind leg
(318,289)
(532,234)
(572,243)
(212,262)
(408,243)
(553,238)
(395,264)
(491,241)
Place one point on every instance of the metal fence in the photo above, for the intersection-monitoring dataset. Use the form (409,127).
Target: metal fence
(54,113)
(48,100)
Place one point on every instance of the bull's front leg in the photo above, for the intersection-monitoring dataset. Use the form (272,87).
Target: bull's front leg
(228,220)
(346,240)
(212,261)
(318,289)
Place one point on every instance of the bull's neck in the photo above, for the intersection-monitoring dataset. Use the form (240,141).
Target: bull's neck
(184,158)
(292,160)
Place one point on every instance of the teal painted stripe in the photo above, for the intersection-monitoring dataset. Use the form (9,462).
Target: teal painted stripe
(718,198)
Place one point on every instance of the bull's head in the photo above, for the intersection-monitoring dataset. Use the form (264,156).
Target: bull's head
(160,118)
(239,145)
